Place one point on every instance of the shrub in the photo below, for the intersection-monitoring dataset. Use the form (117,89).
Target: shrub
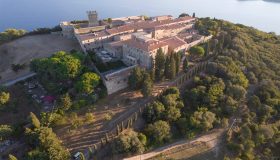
(108,116)
(129,141)
(89,118)
(158,132)
(5,132)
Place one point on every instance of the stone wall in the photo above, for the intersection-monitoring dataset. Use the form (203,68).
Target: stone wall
(118,80)
(89,29)
(143,58)
(162,33)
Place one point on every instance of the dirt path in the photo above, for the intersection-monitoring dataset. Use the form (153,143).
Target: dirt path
(211,137)
(23,50)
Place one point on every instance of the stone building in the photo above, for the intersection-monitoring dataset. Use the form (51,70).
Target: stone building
(118,80)
(141,50)
(67,29)
(132,40)
(92,18)
(175,44)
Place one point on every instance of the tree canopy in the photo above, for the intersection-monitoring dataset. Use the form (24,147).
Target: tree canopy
(11,34)
(58,69)
(203,119)
(129,141)
(87,82)
(158,132)
(4,97)
(159,65)
(197,51)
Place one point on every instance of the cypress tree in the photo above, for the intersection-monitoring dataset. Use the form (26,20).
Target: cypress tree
(90,152)
(147,87)
(118,129)
(122,126)
(107,137)
(82,156)
(178,62)
(11,157)
(136,78)
(128,124)
(159,65)
(207,50)
(167,67)
(135,116)
(34,120)
(152,72)
(185,64)
(131,122)
(221,43)
(94,147)
(172,67)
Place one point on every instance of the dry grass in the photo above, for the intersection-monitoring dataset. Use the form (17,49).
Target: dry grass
(89,134)
(23,50)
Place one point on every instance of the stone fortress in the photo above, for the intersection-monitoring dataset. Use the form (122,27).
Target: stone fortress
(133,40)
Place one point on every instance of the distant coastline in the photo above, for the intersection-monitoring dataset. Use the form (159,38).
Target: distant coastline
(256,13)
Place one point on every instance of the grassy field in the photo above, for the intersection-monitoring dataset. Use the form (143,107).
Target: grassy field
(22,50)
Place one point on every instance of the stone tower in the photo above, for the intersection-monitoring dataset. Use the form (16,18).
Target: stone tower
(92,18)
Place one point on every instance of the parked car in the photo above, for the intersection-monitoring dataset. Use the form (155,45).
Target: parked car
(31,86)
(77,155)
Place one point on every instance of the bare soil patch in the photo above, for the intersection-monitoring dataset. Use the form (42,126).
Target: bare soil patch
(23,50)
(87,135)
(19,106)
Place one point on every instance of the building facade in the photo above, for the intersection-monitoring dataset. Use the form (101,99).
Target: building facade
(133,40)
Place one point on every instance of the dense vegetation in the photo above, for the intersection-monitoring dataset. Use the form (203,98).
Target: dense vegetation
(45,144)
(248,59)
(242,82)
(62,70)
(164,67)
(12,34)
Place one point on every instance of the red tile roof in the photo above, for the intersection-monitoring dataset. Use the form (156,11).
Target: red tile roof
(174,42)
(170,27)
(167,24)
(154,24)
(121,29)
(146,46)
(89,36)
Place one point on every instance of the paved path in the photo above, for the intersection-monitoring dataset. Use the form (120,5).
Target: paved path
(204,138)
(12,82)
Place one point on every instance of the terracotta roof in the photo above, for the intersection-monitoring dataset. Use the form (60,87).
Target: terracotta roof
(117,44)
(146,46)
(121,29)
(167,24)
(154,24)
(181,19)
(163,16)
(170,27)
(89,36)
(183,36)
(174,42)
